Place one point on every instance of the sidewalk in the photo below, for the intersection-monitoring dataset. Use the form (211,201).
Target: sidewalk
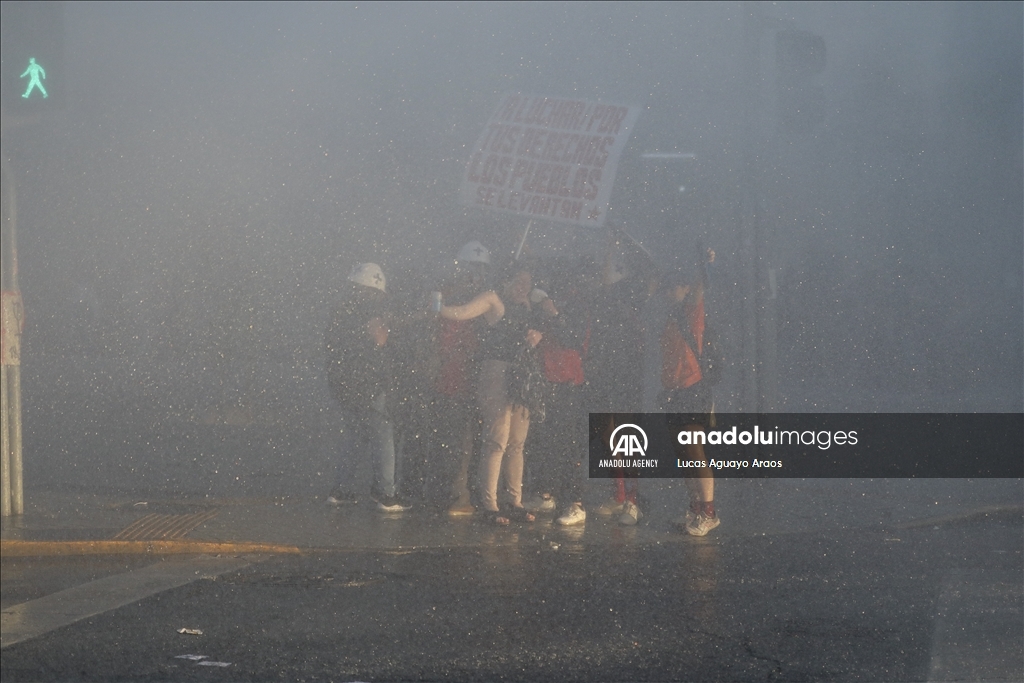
(79,523)
(804,580)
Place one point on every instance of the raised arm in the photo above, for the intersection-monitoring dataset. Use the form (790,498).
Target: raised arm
(486,304)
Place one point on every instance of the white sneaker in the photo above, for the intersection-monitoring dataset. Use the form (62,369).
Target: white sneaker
(541,503)
(630,514)
(392,504)
(341,496)
(701,525)
(686,520)
(573,516)
(609,508)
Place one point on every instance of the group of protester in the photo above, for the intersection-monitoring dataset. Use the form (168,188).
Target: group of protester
(508,360)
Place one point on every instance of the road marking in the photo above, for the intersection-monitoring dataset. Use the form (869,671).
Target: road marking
(14,548)
(36,617)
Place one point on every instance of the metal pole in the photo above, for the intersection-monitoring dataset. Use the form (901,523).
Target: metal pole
(5,445)
(749,389)
(760,384)
(11,242)
(13,486)
(17,478)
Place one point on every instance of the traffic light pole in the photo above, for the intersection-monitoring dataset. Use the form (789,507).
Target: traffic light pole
(759,375)
(12,499)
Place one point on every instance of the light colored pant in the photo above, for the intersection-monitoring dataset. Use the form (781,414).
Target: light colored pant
(505,430)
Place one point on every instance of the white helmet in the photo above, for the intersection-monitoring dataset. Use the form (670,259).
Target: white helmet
(616,273)
(474,252)
(368,275)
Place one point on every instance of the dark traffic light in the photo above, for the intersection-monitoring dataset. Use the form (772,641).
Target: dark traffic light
(799,58)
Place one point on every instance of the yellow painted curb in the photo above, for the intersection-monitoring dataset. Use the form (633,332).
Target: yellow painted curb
(14,548)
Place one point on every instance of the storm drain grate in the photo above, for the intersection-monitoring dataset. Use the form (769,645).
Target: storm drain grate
(155,526)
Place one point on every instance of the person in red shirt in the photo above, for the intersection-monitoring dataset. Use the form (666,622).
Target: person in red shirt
(685,396)
(455,384)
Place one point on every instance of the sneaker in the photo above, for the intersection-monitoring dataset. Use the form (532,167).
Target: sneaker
(392,504)
(610,508)
(701,525)
(461,510)
(341,497)
(542,503)
(630,514)
(573,516)
(686,520)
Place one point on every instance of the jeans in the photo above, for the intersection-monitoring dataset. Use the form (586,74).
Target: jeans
(368,430)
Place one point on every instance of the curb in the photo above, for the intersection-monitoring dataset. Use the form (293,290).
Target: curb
(14,548)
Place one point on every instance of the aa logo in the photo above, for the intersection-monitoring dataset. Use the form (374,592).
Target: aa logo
(625,441)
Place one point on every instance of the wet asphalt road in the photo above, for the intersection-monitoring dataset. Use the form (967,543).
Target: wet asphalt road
(933,602)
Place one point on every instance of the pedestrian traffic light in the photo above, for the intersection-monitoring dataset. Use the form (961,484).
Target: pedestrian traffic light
(32,78)
(799,58)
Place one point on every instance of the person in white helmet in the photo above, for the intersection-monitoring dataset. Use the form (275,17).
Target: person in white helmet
(473,252)
(358,373)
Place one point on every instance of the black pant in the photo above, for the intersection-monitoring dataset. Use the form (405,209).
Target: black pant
(557,448)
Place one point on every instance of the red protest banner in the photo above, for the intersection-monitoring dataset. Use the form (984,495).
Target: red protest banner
(548,157)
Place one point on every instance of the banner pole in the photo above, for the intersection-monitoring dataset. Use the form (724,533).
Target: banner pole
(523,241)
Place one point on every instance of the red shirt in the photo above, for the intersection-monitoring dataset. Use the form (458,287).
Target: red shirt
(679,365)
(458,343)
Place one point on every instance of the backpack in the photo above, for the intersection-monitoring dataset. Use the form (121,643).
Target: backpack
(561,365)
(710,360)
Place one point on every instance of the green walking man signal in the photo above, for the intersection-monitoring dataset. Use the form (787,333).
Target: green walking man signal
(33,72)
(33,76)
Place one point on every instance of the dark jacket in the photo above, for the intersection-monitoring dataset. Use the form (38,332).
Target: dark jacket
(358,369)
